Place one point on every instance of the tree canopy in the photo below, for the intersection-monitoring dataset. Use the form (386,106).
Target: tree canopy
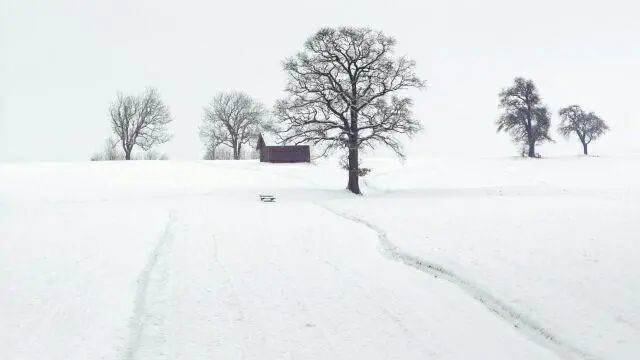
(343,93)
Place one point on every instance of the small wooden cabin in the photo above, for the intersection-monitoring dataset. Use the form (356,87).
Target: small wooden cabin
(282,153)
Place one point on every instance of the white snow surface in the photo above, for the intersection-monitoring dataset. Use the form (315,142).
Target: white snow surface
(500,258)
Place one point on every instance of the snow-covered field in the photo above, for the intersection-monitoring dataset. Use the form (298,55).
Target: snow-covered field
(441,259)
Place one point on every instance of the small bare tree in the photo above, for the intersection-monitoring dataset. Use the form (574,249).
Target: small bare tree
(232,119)
(524,117)
(109,152)
(588,126)
(154,155)
(341,94)
(213,135)
(210,152)
(140,120)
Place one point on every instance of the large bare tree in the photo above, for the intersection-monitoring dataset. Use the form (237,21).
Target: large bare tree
(140,121)
(232,119)
(587,126)
(342,93)
(524,117)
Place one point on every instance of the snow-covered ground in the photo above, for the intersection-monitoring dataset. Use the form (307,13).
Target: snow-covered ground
(441,259)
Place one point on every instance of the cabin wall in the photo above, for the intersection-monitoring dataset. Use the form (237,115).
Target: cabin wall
(285,154)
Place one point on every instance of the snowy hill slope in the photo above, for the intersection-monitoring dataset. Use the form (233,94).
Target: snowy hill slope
(179,260)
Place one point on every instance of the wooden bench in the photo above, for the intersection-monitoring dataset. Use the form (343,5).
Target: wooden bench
(267,198)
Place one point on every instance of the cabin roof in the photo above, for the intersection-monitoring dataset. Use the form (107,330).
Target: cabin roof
(272,140)
(269,138)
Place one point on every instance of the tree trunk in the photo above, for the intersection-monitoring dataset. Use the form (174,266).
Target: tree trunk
(127,151)
(236,154)
(354,165)
(530,138)
(354,169)
(584,148)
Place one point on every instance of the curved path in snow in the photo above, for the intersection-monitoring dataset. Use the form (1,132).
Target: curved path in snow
(518,320)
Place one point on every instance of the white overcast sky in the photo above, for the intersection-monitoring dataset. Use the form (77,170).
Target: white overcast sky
(62,62)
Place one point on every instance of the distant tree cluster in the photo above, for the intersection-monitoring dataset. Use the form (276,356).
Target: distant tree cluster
(528,121)
(345,91)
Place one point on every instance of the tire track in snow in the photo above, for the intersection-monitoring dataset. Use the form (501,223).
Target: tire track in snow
(146,325)
(396,319)
(531,329)
(233,292)
(302,304)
